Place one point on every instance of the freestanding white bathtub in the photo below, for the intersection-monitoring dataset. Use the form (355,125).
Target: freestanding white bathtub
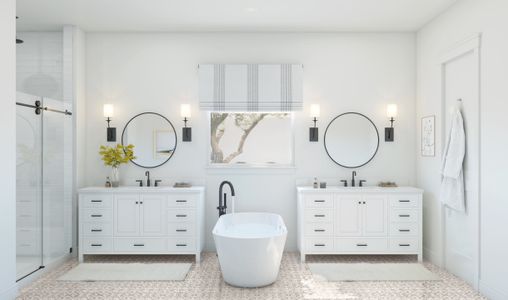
(250,246)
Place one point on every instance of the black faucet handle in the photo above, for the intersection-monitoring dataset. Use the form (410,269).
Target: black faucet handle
(140,182)
(362,181)
(156,182)
(345,182)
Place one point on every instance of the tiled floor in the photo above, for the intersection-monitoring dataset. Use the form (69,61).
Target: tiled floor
(204,282)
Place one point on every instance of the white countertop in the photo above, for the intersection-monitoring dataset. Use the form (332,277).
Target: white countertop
(144,189)
(366,189)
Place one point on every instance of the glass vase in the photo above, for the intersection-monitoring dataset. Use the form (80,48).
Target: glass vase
(115,177)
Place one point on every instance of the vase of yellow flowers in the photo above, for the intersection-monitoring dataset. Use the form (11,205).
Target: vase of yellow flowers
(114,157)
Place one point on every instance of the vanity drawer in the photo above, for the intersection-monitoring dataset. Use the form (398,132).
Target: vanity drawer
(404,201)
(319,215)
(404,229)
(404,245)
(97,215)
(97,201)
(97,229)
(361,245)
(319,229)
(139,244)
(319,245)
(404,215)
(181,229)
(318,201)
(182,245)
(182,200)
(97,245)
(181,215)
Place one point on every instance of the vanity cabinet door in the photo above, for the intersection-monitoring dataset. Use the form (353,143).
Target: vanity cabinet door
(375,215)
(349,215)
(126,219)
(153,218)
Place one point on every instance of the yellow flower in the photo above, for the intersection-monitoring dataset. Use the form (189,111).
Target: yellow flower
(115,156)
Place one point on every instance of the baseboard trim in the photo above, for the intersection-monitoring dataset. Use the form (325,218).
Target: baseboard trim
(10,293)
(492,293)
(432,256)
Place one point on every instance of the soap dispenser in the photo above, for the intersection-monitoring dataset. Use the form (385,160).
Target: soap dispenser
(316,183)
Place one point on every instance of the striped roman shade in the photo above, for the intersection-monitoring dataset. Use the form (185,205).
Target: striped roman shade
(251,87)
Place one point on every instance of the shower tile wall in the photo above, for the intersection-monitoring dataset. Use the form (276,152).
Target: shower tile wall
(39,62)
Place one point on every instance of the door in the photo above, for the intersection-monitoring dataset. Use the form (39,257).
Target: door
(28,186)
(461,230)
(374,215)
(153,216)
(349,215)
(126,215)
(58,179)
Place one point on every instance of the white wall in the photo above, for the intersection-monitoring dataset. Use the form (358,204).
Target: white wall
(342,72)
(468,17)
(8,149)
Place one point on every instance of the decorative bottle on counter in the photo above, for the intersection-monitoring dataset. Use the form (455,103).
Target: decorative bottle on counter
(316,183)
(108,182)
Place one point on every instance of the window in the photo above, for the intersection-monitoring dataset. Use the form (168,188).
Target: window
(253,139)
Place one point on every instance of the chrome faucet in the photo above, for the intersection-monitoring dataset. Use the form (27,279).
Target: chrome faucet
(222,204)
(353,178)
(147,174)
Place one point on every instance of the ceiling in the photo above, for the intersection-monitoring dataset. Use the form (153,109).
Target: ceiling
(230,15)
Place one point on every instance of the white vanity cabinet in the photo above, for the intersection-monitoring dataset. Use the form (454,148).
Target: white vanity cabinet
(367,220)
(129,220)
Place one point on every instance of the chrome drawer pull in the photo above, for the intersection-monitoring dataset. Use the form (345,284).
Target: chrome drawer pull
(404,245)
(319,201)
(181,245)
(319,230)
(361,245)
(139,245)
(404,216)
(319,245)
(181,201)
(96,216)
(404,230)
(96,245)
(181,230)
(96,201)
(319,216)
(181,216)
(404,201)
(96,230)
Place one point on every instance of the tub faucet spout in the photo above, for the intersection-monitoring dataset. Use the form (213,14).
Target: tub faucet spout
(222,201)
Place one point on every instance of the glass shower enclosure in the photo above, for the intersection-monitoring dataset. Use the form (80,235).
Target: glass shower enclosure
(44,182)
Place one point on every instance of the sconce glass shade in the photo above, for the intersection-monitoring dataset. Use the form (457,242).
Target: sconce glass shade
(108,110)
(391,111)
(315,111)
(185,110)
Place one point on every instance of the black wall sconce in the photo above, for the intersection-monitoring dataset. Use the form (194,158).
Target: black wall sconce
(391,112)
(314,131)
(185,113)
(109,111)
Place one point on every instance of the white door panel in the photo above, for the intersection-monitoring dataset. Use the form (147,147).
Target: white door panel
(126,219)
(461,81)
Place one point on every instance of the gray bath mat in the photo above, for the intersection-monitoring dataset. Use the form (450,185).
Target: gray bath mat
(127,272)
(372,272)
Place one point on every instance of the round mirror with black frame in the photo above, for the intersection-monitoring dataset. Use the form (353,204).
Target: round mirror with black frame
(154,139)
(351,140)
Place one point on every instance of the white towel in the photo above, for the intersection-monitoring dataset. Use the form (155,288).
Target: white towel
(452,184)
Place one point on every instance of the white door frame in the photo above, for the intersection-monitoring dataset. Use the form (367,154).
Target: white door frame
(472,45)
